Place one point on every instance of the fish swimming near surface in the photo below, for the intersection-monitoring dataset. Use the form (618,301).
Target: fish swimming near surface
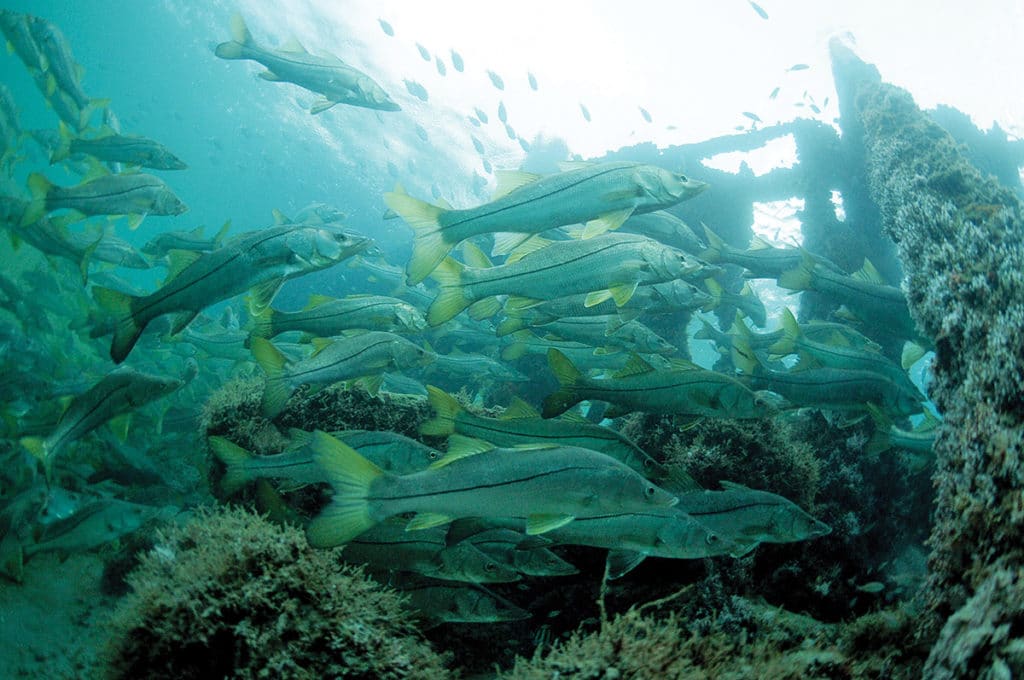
(61,76)
(603,194)
(135,195)
(260,260)
(548,486)
(115,148)
(327,75)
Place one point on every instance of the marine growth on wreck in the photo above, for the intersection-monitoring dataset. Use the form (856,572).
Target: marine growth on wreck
(455,396)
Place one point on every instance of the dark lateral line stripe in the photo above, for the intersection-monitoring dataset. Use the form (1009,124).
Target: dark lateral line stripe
(572,185)
(554,265)
(95,197)
(730,509)
(103,399)
(340,360)
(169,290)
(492,485)
(481,423)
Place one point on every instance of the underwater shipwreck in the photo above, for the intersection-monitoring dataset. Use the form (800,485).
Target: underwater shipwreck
(902,553)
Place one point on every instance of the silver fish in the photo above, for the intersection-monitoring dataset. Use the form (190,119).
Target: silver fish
(327,75)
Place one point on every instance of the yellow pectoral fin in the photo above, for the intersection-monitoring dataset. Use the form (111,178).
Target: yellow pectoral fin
(539,524)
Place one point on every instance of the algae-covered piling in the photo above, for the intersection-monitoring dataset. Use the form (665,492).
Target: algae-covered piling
(958,234)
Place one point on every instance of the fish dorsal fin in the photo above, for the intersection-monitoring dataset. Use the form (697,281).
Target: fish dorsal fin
(607,222)
(444,205)
(530,245)
(569,166)
(733,486)
(320,344)
(475,257)
(541,523)
(683,365)
(222,232)
(279,217)
(316,299)
(197,232)
(293,45)
(519,409)
(535,446)
(461,446)
(868,274)
(746,289)
(758,243)
(635,366)
(510,180)
(427,520)
(299,438)
(574,417)
(178,261)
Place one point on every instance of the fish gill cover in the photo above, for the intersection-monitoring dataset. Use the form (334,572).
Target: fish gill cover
(629,412)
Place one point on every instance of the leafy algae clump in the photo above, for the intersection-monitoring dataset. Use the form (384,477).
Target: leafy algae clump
(232,595)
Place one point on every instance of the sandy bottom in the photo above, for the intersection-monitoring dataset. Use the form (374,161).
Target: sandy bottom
(51,626)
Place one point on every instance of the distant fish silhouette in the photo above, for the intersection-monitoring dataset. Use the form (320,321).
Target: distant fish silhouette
(757,8)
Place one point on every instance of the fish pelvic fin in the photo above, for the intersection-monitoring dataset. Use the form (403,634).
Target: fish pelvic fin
(127,329)
(713,253)
(429,246)
(452,299)
(234,458)
(351,475)
(446,408)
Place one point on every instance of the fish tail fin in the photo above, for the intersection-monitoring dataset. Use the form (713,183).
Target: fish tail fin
(234,458)
(241,38)
(261,324)
(87,111)
(39,187)
(127,329)
(912,351)
(800,277)
(713,253)
(63,148)
(452,298)
(277,390)
(567,376)
(429,246)
(743,356)
(446,408)
(351,475)
(790,333)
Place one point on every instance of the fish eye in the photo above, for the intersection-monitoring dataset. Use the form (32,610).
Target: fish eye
(712,539)
(434,455)
(490,567)
(650,491)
